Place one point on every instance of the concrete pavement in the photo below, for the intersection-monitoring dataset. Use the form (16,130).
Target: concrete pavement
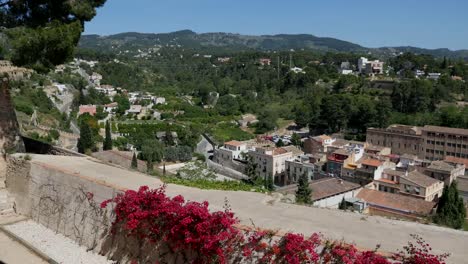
(265,212)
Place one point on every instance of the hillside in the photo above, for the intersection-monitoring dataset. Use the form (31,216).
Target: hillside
(234,42)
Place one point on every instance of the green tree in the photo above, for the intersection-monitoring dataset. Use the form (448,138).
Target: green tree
(86,141)
(451,210)
(303,193)
(44,33)
(108,139)
(296,139)
(251,169)
(134,162)
(343,205)
(151,151)
(269,185)
(280,143)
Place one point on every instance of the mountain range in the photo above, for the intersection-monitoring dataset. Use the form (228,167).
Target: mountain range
(236,42)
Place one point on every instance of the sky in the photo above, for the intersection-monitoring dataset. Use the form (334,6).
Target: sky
(377,23)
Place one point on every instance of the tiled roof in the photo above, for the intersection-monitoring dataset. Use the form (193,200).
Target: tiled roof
(441,166)
(372,162)
(91,109)
(327,187)
(396,202)
(279,151)
(455,160)
(295,150)
(449,130)
(420,179)
(394,172)
(234,143)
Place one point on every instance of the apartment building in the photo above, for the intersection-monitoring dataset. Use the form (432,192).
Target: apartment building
(428,142)
(439,142)
(369,67)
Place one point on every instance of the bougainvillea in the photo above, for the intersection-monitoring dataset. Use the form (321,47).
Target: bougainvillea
(201,236)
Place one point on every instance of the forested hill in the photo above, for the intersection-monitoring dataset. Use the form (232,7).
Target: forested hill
(233,42)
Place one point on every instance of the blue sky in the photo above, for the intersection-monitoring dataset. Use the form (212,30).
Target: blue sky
(377,23)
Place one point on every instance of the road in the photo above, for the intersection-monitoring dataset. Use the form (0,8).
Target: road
(266,212)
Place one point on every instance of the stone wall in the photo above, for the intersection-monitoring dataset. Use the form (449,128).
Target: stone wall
(69,204)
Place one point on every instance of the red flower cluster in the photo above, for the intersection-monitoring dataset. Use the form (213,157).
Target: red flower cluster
(189,228)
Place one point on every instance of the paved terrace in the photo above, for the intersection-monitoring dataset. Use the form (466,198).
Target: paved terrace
(365,231)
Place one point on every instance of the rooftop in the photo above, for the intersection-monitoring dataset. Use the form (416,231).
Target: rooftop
(441,165)
(420,179)
(326,187)
(394,172)
(295,150)
(455,160)
(396,202)
(448,130)
(234,143)
(372,162)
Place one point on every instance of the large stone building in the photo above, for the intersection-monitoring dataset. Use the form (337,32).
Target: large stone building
(428,142)
(271,162)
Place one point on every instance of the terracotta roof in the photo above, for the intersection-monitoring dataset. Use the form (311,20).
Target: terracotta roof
(449,130)
(90,109)
(441,165)
(324,137)
(279,151)
(234,143)
(456,160)
(396,202)
(372,162)
(339,142)
(420,179)
(342,152)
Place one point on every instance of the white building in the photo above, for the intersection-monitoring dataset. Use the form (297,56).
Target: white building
(297,70)
(134,109)
(159,100)
(366,66)
(433,75)
(95,79)
(230,151)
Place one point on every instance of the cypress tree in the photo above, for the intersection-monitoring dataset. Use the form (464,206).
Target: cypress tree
(303,192)
(451,211)
(85,142)
(134,161)
(342,205)
(108,139)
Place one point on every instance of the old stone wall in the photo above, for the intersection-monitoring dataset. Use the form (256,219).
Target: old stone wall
(69,204)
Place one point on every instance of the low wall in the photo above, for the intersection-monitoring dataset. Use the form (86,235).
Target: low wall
(69,204)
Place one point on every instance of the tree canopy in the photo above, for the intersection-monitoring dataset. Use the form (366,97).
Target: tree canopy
(43,33)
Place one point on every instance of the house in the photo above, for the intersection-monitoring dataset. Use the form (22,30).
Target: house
(368,67)
(454,161)
(395,205)
(318,144)
(462,186)
(297,70)
(230,151)
(434,75)
(419,73)
(159,100)
(224,59)
(157,115)
(247,119)
(89,109)
(420,186)
(345,68)
(445,171)
(301,165)
(371,169)
(372,150)
(109,108)
(264,61)
(271,162)
(328,192)
(344,157)
(95,79)
(134,109)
